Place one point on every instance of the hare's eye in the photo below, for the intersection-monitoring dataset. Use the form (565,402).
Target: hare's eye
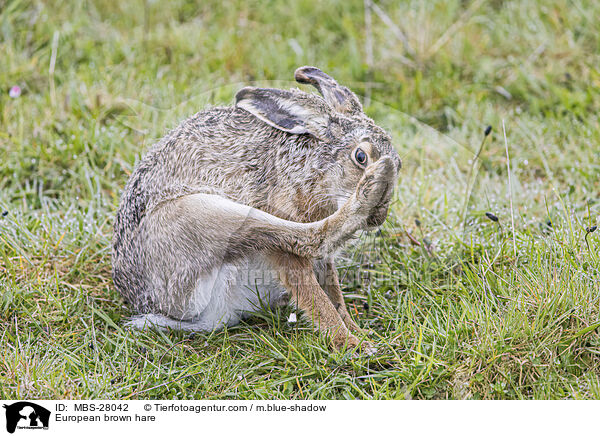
(360,156)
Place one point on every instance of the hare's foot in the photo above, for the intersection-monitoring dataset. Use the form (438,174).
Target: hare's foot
(374,190)
(366,349)
(360,348)
(367,207)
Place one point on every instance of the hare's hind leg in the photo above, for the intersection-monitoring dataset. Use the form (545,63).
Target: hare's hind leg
(227,230)
(191,250)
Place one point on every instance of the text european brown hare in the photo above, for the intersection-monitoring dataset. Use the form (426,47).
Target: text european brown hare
(248,204)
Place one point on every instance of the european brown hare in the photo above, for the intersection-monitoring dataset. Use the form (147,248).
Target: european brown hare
(248,204)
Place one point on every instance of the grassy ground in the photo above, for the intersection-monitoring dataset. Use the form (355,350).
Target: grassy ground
(461,306)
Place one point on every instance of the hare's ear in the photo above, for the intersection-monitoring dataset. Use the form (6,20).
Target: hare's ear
(340,98)
(282,110)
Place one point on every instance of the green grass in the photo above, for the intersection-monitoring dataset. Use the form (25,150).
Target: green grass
(467,313)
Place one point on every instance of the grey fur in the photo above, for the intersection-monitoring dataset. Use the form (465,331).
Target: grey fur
(263,185)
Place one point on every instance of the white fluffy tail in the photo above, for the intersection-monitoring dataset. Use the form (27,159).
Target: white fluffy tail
(162,322)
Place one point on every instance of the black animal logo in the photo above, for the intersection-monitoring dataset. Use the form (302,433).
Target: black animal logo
(26,415)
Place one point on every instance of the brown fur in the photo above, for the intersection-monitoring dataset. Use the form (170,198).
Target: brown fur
(273,182)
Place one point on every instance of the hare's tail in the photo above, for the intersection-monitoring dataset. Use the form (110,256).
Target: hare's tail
(162,322)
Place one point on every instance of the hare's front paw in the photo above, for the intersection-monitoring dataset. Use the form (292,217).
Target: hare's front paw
(374,191)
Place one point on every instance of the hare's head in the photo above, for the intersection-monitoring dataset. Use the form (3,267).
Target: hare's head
(345,142)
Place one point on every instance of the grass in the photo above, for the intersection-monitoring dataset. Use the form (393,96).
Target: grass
(458,311)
